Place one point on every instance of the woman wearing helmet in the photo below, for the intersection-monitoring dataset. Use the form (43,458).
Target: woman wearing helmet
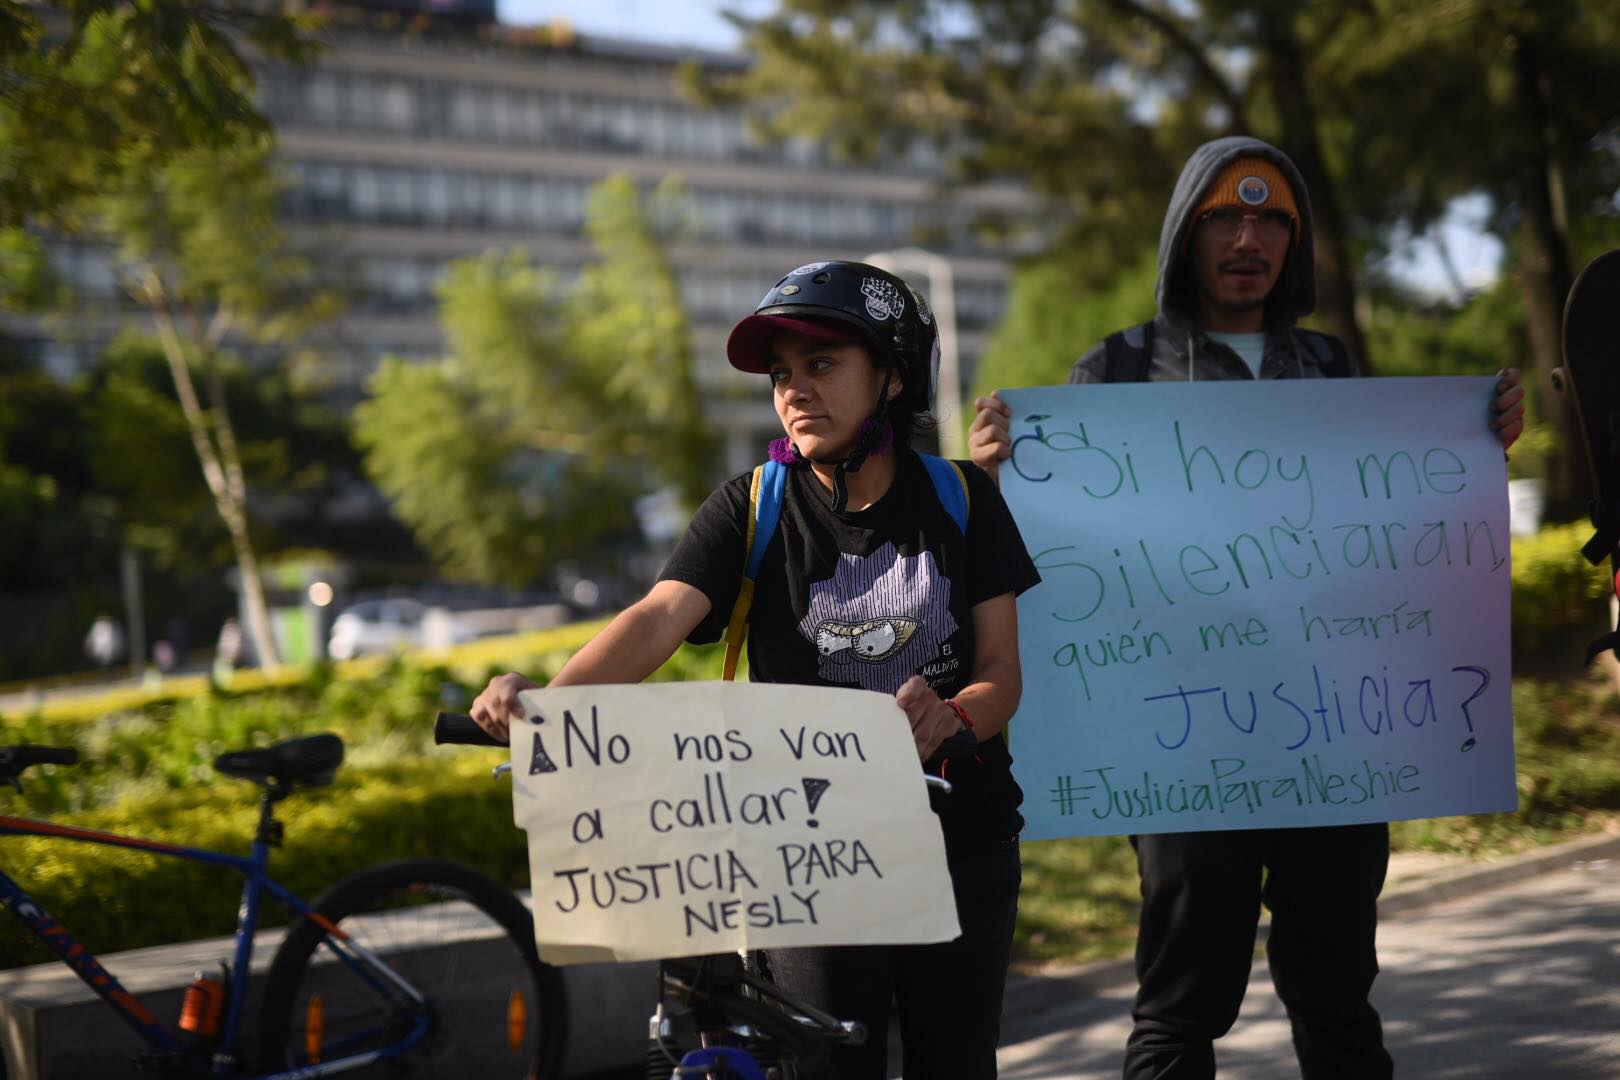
(867,581)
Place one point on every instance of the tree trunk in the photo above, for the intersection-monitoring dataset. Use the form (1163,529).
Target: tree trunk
(1544,275)
(1335,279)
(224,479)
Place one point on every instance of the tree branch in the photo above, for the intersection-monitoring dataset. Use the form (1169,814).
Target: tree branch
(1182,41)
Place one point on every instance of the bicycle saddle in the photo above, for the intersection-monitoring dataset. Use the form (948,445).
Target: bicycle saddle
(307,762)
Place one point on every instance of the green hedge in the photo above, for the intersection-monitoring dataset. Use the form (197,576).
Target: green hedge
(445,804)
(146,770)
(170,744)
(1558,597)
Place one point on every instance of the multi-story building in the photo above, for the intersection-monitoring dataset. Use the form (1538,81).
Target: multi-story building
(424,138)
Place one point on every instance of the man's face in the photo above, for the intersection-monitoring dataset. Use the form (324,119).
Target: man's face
(1237,256)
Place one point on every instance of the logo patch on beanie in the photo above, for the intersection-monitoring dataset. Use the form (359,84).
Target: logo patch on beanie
(1253,191)
(883,300)
(807,268)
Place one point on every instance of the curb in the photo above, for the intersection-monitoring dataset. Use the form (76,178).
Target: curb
(1491,875)
(1034,992)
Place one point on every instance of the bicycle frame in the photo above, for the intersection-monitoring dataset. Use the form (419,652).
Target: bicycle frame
(723,1006)
(257,883)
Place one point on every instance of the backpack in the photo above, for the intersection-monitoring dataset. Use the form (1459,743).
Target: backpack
(765,510)
(1124,362)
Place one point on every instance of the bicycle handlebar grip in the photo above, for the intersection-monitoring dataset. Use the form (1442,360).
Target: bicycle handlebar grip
(461,730)
(963,746)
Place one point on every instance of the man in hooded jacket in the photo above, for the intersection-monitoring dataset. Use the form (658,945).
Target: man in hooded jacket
(1236,270)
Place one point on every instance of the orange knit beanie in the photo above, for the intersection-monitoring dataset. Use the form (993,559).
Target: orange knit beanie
(1250,184)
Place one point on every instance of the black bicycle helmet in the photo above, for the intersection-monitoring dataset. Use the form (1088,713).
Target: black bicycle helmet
(849,301)
(870,305)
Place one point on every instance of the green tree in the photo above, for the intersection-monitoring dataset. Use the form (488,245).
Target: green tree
(1094,105)
(141,452)
(96,91)
(132,124)
(1518,102)
(1049,323)
(45,476)
(1390,109)
(197,245)
(525,445)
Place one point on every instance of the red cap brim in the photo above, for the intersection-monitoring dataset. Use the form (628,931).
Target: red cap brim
(749,347)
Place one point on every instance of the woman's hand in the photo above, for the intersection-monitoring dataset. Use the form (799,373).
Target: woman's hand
(932,721)
(496,708)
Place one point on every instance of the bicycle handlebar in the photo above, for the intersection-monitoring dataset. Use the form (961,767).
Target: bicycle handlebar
(461,730)
(20,757)
(961,747)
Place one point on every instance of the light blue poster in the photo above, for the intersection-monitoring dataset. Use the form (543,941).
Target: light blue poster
(1266,604)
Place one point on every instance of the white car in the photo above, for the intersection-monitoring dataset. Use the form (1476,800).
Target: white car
(376,626)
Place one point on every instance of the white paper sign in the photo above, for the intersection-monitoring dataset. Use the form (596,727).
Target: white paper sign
(677,819)
(1275,603)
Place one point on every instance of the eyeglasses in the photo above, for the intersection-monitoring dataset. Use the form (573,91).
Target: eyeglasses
(1270,226)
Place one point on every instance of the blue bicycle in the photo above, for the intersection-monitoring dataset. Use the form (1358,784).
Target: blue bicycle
(418,967)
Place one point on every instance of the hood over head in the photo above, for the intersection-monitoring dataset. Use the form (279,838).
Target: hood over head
(1295,293)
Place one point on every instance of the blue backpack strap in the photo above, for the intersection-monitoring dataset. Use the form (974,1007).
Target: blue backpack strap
(950,484)
(770,484)
(765,493)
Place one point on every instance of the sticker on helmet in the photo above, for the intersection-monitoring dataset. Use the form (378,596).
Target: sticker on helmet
(924,312)
(883,300)
(789,290)
(807,268)
(1252,190)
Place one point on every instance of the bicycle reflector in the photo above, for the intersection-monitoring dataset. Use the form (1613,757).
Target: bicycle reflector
(517,1020)
(201,1006)
(314,1029)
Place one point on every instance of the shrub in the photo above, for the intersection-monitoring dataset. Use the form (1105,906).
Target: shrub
(112,899)
(1557,595)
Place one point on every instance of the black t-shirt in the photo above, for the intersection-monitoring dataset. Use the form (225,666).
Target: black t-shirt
(869,598)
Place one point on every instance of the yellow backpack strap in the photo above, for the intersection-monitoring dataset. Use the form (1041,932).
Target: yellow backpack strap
(737,628)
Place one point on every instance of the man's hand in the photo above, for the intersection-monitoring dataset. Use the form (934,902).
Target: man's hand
(496,708)
(1508,408)
(932,721)
(989,443)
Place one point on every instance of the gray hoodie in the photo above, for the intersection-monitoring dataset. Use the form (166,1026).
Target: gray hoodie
(1180,349)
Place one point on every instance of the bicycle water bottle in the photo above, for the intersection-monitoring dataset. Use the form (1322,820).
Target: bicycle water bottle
(202,1006)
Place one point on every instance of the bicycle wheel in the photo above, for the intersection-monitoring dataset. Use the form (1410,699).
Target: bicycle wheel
(480,1003)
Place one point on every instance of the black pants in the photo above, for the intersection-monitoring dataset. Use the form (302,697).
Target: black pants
(1201,896)
(947,996)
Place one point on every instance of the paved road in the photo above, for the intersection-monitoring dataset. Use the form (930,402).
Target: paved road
(1515,977)
(1518,983)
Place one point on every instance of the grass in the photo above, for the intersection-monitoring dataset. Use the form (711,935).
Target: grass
(1078,903)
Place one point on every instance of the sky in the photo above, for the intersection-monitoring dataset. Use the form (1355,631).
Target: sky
(676,22)
(1475,256)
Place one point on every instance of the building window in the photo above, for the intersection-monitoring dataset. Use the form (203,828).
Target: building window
(321,98)
(397,105)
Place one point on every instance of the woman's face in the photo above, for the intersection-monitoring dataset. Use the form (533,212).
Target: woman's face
(823,392)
